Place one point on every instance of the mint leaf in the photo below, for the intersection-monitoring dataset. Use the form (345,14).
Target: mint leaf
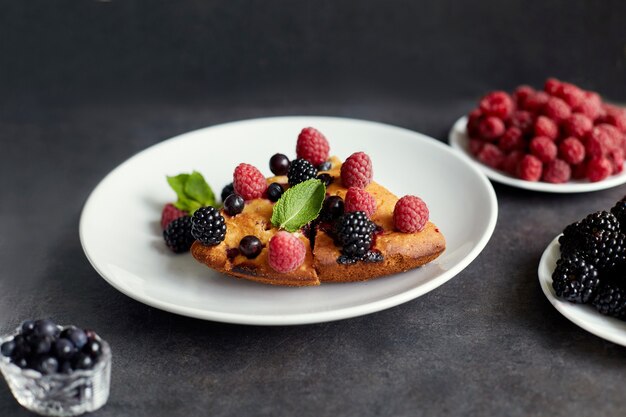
(299,205)
(178,183)
(197,189)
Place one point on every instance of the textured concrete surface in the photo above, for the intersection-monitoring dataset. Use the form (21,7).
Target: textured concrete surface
(84,85)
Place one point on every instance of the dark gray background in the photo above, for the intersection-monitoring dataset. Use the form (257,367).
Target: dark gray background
(85,84)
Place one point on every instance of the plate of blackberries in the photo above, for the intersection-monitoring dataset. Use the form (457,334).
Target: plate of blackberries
(582,272)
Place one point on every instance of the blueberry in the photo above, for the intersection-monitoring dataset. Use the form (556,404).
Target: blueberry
(76,336)
(324,166)
(227,190)
(93,348)
(66,367)
(250,247)
(332,208)
(234,204)
(21,362)
(83,361)
(274,191)
(22,347)
(279,164)
(45,328)
(327,179)
(47,365)
(28,326)
(39,345)
(8,348)
(64,349)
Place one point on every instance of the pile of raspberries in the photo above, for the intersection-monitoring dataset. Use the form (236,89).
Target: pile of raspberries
(554,135)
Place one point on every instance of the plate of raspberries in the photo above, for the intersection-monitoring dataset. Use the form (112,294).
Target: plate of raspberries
(582,273)
(561,139)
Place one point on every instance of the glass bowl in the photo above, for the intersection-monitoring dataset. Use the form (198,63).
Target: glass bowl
(59,394)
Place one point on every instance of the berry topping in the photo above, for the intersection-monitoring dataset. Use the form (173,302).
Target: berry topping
(357,171)
(410,214)
(357,199)
(300,170)
(208,226)
(250,246)
(234,204)
(332,209)
(226,191)
(286,252)
(170,213)
(178,236)
(327,179)
(279,164)
(354,234)
(312,146)
(543,148)
(530,168)
(572,151)
(497,104)
(249,182)
(274,191)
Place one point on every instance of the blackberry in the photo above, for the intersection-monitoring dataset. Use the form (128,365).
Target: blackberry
(354,233)
(619,211)
(598,222)
(605,250)
(300,170)
(208,226)
(574,279)
(611,300)
(226,191)
(178,236)
(573,239)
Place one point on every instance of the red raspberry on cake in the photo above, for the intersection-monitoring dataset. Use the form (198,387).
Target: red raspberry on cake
(523,120)
(546,127)
(552,86)
(490,155)
(490,128)
(530,168)
(522,93)
(249,182)
(598,169)
(312,146)
(497,104)
(410,214)
(543,148)
(285,252)
(577,125)
(169,214)
(535,103)
(571,94)
(357,171)
(557,172)
(556,109)
(511,140)
(572,151)
(511,161)
(357,199)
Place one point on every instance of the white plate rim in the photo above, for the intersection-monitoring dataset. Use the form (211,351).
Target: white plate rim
(457,138)
(614,330)
(301,318)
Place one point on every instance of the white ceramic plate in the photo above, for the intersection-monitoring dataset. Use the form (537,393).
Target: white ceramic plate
(459,140)
(584,316)
(120,232)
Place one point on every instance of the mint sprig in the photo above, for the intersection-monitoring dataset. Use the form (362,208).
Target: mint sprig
(299,205)
(192,191)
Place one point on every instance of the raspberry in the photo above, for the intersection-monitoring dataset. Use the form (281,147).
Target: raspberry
(546,127)
(357,171)
(543,148)
(497,104)
(598,168)
(556,109)
(511,140)
(599,141)
(579,171)
(615,137)
(410,214)
(616,117)
(572,151)
(571,94)
(249,182)
(177,234)
(473,120)
(208,226)
(169,214)
(490,128)
(616,156)
(521,93)
(312,146)
(577,125)
(511,161)
(529,168)
(475,146)
(286,252)
(557,172)
(300,170)
(357,199)
(523,120)
(490,155)
(552,86)
(536,102)
(591,106)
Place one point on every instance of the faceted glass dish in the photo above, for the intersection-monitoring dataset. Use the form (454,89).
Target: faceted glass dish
(59,394)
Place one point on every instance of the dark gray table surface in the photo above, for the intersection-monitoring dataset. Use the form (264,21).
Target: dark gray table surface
(85,85)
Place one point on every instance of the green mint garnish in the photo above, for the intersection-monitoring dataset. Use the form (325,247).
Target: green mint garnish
(192,190)
(299,205)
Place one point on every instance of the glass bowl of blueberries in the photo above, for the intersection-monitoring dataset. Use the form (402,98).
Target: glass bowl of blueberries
(56,370)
